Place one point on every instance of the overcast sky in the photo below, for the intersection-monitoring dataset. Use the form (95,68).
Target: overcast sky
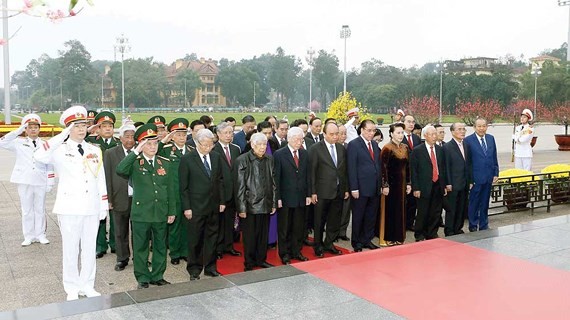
(402,33)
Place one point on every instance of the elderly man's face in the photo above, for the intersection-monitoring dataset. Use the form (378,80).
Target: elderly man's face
(106,130)
(161,132)
(128,139)
(480,127)
(205,145)
(150,148)
(179,138)
(341,134)
(430,136)
(331,136)
(295,142)
(259,148)
(316,127)
(227,135)
(458,131)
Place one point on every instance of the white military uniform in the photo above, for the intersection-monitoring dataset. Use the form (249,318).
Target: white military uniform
(80,203)
(523,151)
(32,180)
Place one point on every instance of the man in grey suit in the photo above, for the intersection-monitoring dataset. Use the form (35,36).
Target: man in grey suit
(120,194)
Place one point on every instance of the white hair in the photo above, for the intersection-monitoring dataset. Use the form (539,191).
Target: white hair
(295,131)
(426,128)
(258,138)
(204,134)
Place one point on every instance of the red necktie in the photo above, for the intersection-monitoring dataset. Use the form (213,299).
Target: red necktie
(370,150)
(434,174)
(296,158)
(228,158)
(410,142)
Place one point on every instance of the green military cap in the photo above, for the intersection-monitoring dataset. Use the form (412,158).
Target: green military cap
(146,131)
(178,124)
(158,121)
(91,114)
(105,116)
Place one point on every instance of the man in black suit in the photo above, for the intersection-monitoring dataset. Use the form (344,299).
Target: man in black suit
(195,126)
(202,193)
(428,184)
(292,181)
(329,187)
(229,152)
(458,166)
(120,194)
(411,140)
(281,133)
(314,135)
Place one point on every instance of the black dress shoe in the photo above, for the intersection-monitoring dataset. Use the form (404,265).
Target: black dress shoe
(265,264)
(301,257)
(120,266)
(175,261)
(142,285)
(460,232)
(344,238)
(247,269)
(473,229)
(334,250)
(357,249)
(99,255)
(194,277)
(308,243)
(371,246)
(286,260)
(213,273)
(234,252)
(113,251)
(160,282)
(319,253)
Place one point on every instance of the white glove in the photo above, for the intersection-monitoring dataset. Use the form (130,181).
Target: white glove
(103,214)
(22,128)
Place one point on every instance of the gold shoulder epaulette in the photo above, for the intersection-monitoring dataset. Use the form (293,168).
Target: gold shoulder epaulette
(163,158)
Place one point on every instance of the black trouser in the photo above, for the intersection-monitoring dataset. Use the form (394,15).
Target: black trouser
(327,213)
(411,207)
(290,231)
(202,240)
(429,213)
(226,228)
(345,217)
(309,219)
(122,221)
(364,216)
(458,208)
(255,231)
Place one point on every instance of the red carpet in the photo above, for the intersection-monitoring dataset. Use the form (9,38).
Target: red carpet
(230,264)
(441,279)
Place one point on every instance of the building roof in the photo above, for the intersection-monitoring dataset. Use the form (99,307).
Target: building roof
(544,57)
(202,67)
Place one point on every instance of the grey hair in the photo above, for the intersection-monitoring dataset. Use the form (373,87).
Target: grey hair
(204,134)
(258,138)
(295,131)
(426,128)
(222,126)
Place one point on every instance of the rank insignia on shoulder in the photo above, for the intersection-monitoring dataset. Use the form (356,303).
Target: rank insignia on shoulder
(141,162)
(163,158)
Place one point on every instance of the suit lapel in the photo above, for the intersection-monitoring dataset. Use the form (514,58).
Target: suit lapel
(200,163)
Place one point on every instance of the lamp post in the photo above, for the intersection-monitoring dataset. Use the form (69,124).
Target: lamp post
(566,3)
(535,72)
(122,45)
(344,34)
(310,52)
(440,67)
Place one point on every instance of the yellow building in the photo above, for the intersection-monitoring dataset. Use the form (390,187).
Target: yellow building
(540,60)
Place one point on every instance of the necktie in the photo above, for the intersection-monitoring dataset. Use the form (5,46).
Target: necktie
(460,144)
(150,162)
(303,145)
(333,154)
(370,150)
(484,145)
(35,145)
(410,142)
(207,166)
(228,158)
(434,174)
(80,149)
(296,158)
(129,151)
(316,139)
(106,141)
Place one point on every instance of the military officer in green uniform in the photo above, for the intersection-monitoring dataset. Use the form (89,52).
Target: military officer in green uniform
(153,206)
(173,147)
(160,123)
(105,121)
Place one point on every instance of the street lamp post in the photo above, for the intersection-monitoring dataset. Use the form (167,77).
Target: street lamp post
(122,45)
(440,67)
(345,34)
(310,52)
(535,72)
(566,3)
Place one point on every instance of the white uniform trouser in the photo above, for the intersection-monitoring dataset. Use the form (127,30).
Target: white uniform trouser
(32,200)
(523,163)
(76,232)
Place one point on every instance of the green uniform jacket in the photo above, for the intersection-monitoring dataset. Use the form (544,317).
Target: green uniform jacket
(154,192)
(101,143)
(171,152)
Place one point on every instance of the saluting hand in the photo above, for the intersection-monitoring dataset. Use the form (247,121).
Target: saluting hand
(140,146)
(168,137)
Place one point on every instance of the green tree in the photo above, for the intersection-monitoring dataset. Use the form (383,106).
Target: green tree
(186,82)
(76,71)
(283,71)
(237,81)
(326,75)
(144,82)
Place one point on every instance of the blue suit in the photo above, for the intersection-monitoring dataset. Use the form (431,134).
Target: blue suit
(364,175)
(239,139)
(484,166)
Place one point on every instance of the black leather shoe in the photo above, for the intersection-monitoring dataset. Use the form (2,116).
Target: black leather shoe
(247,269)
(460,232)
(160,282)
(344,238)
(473,229)
(319,253)
(308,243)
(371,246)
(286,260)
(142,285)
(357,249)
(120,266)
(334,250)
(194,277)
(301,257)
(113,250)
(234,253)
(175,261)
(213,273)
(99,255)
(265,264)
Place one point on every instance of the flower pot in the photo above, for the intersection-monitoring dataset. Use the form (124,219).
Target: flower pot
(516,198)
(559,190)
(563,141)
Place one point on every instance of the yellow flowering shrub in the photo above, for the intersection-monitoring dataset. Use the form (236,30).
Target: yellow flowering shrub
(557,168)
(340,106)
(513,173)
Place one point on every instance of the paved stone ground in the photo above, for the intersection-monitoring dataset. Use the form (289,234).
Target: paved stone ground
(32,275)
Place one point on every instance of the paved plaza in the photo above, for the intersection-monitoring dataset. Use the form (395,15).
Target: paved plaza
(32,286)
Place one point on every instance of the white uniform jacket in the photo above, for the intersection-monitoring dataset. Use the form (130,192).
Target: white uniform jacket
(26,169)
(523,137)
(81,189)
